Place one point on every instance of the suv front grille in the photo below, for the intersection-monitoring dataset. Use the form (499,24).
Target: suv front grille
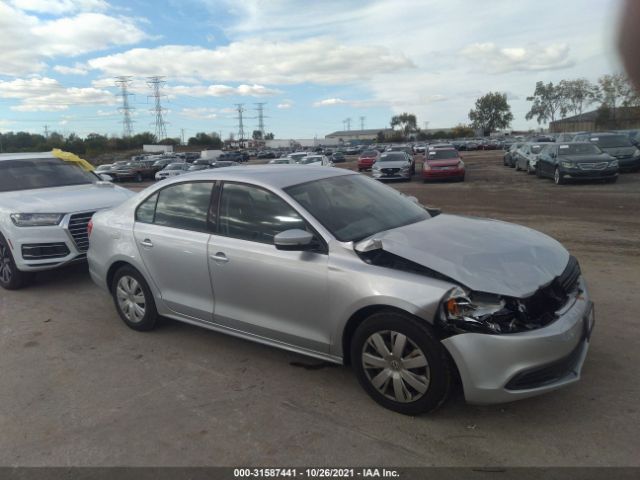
(78,229)
(593,166)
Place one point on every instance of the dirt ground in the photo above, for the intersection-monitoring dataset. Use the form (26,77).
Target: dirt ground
(79,388)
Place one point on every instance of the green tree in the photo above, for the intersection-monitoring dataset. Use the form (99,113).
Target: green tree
(202,139)
(269,136)
(549,100)
(462,131)
(256,135)
(380,137)
(578,94)
(492,112)
(406,121)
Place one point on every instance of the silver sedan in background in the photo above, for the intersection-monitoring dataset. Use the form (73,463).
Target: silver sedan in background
(332,264)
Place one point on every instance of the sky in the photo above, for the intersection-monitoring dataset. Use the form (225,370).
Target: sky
(313,64)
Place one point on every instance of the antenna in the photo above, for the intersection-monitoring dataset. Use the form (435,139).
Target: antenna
(156,83)
(123,82)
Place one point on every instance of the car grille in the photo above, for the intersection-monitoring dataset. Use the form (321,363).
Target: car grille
(78,229)
(43,251)
(593,166)
(390,171)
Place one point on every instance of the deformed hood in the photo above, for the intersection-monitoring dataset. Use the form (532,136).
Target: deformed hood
(484,255)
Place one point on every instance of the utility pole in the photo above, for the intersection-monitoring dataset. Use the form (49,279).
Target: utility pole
(348,122)
(156,83)
(362,123)
(123,82)
(46,131)
(240,111)
(182,135)
(261,117)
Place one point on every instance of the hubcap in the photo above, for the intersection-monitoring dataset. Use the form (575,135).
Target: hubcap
(130,297)
(5,264)
(396,366)
(556,176)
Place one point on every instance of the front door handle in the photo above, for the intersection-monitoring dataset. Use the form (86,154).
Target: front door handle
(146,243)
(219,257)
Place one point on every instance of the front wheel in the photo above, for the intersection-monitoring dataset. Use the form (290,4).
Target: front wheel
(133,299)
(10,277)
(400,363)
(139,177)
(557,178)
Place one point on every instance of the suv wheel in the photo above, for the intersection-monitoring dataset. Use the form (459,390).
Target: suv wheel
(10,277)
(133,299)
(400,363)
(138,177)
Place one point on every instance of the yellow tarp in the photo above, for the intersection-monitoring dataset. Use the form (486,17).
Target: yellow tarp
(72,158)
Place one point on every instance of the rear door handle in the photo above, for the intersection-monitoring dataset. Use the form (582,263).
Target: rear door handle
(219,257)
(146,243)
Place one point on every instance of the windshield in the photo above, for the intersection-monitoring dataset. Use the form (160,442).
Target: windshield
(611,141)
(31,174)
(354,207)
(175,166)
(307,160)
(536,148)
(442,154)
(578,149)
(393,157)
(370,153)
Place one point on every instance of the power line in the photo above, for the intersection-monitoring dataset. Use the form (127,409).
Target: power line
(156,83)
(123,82)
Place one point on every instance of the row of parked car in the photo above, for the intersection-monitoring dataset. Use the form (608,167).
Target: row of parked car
(442,161)
(587,156)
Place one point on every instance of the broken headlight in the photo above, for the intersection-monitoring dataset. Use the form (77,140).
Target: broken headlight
(463,311)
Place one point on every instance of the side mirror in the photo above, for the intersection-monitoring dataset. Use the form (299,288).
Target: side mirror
(293,240)
(106,178)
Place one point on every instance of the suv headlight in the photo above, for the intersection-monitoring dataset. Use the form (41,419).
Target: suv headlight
(613,163)
(568,164)
(636,154)
(36,219)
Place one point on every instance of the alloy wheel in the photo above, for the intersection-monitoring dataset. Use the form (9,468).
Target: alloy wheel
(6,272)
(396,366)
(556,177)
(131,299)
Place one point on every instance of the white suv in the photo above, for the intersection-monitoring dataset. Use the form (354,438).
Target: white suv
(45,206)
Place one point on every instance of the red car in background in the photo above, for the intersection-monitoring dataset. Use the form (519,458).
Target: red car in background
(443,163)
(367,159)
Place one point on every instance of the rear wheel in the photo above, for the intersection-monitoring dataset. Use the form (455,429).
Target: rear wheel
(400,363)
(133,299)
(138,177)
(10,277)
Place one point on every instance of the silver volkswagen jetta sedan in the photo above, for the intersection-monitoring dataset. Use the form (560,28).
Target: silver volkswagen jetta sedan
(335,265)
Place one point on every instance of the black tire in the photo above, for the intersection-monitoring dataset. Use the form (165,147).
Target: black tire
(10,277)
(557,178)
(148,320)
(538,171)
(612,180)
(419,335)
(139,177)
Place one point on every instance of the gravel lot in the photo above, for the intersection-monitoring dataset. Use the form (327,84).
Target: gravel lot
(77,387)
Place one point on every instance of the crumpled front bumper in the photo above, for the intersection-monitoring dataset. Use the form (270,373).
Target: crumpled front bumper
(503,368)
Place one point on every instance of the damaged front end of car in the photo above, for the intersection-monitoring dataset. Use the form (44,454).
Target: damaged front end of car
(463,310)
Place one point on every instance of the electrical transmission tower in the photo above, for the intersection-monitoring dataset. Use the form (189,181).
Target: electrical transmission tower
(347,122)
(261,117)
(156,83)
(123,82)
(240,111)
(362,123)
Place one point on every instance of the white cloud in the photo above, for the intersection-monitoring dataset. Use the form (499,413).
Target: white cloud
(200,113)
(493,59)
(27,41)
(77,69)
(285,104)
(58,7)
(317,60)
(328,102)
(46,94)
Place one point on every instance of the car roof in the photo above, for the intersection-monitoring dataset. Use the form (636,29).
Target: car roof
(275,176)
(28,156)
